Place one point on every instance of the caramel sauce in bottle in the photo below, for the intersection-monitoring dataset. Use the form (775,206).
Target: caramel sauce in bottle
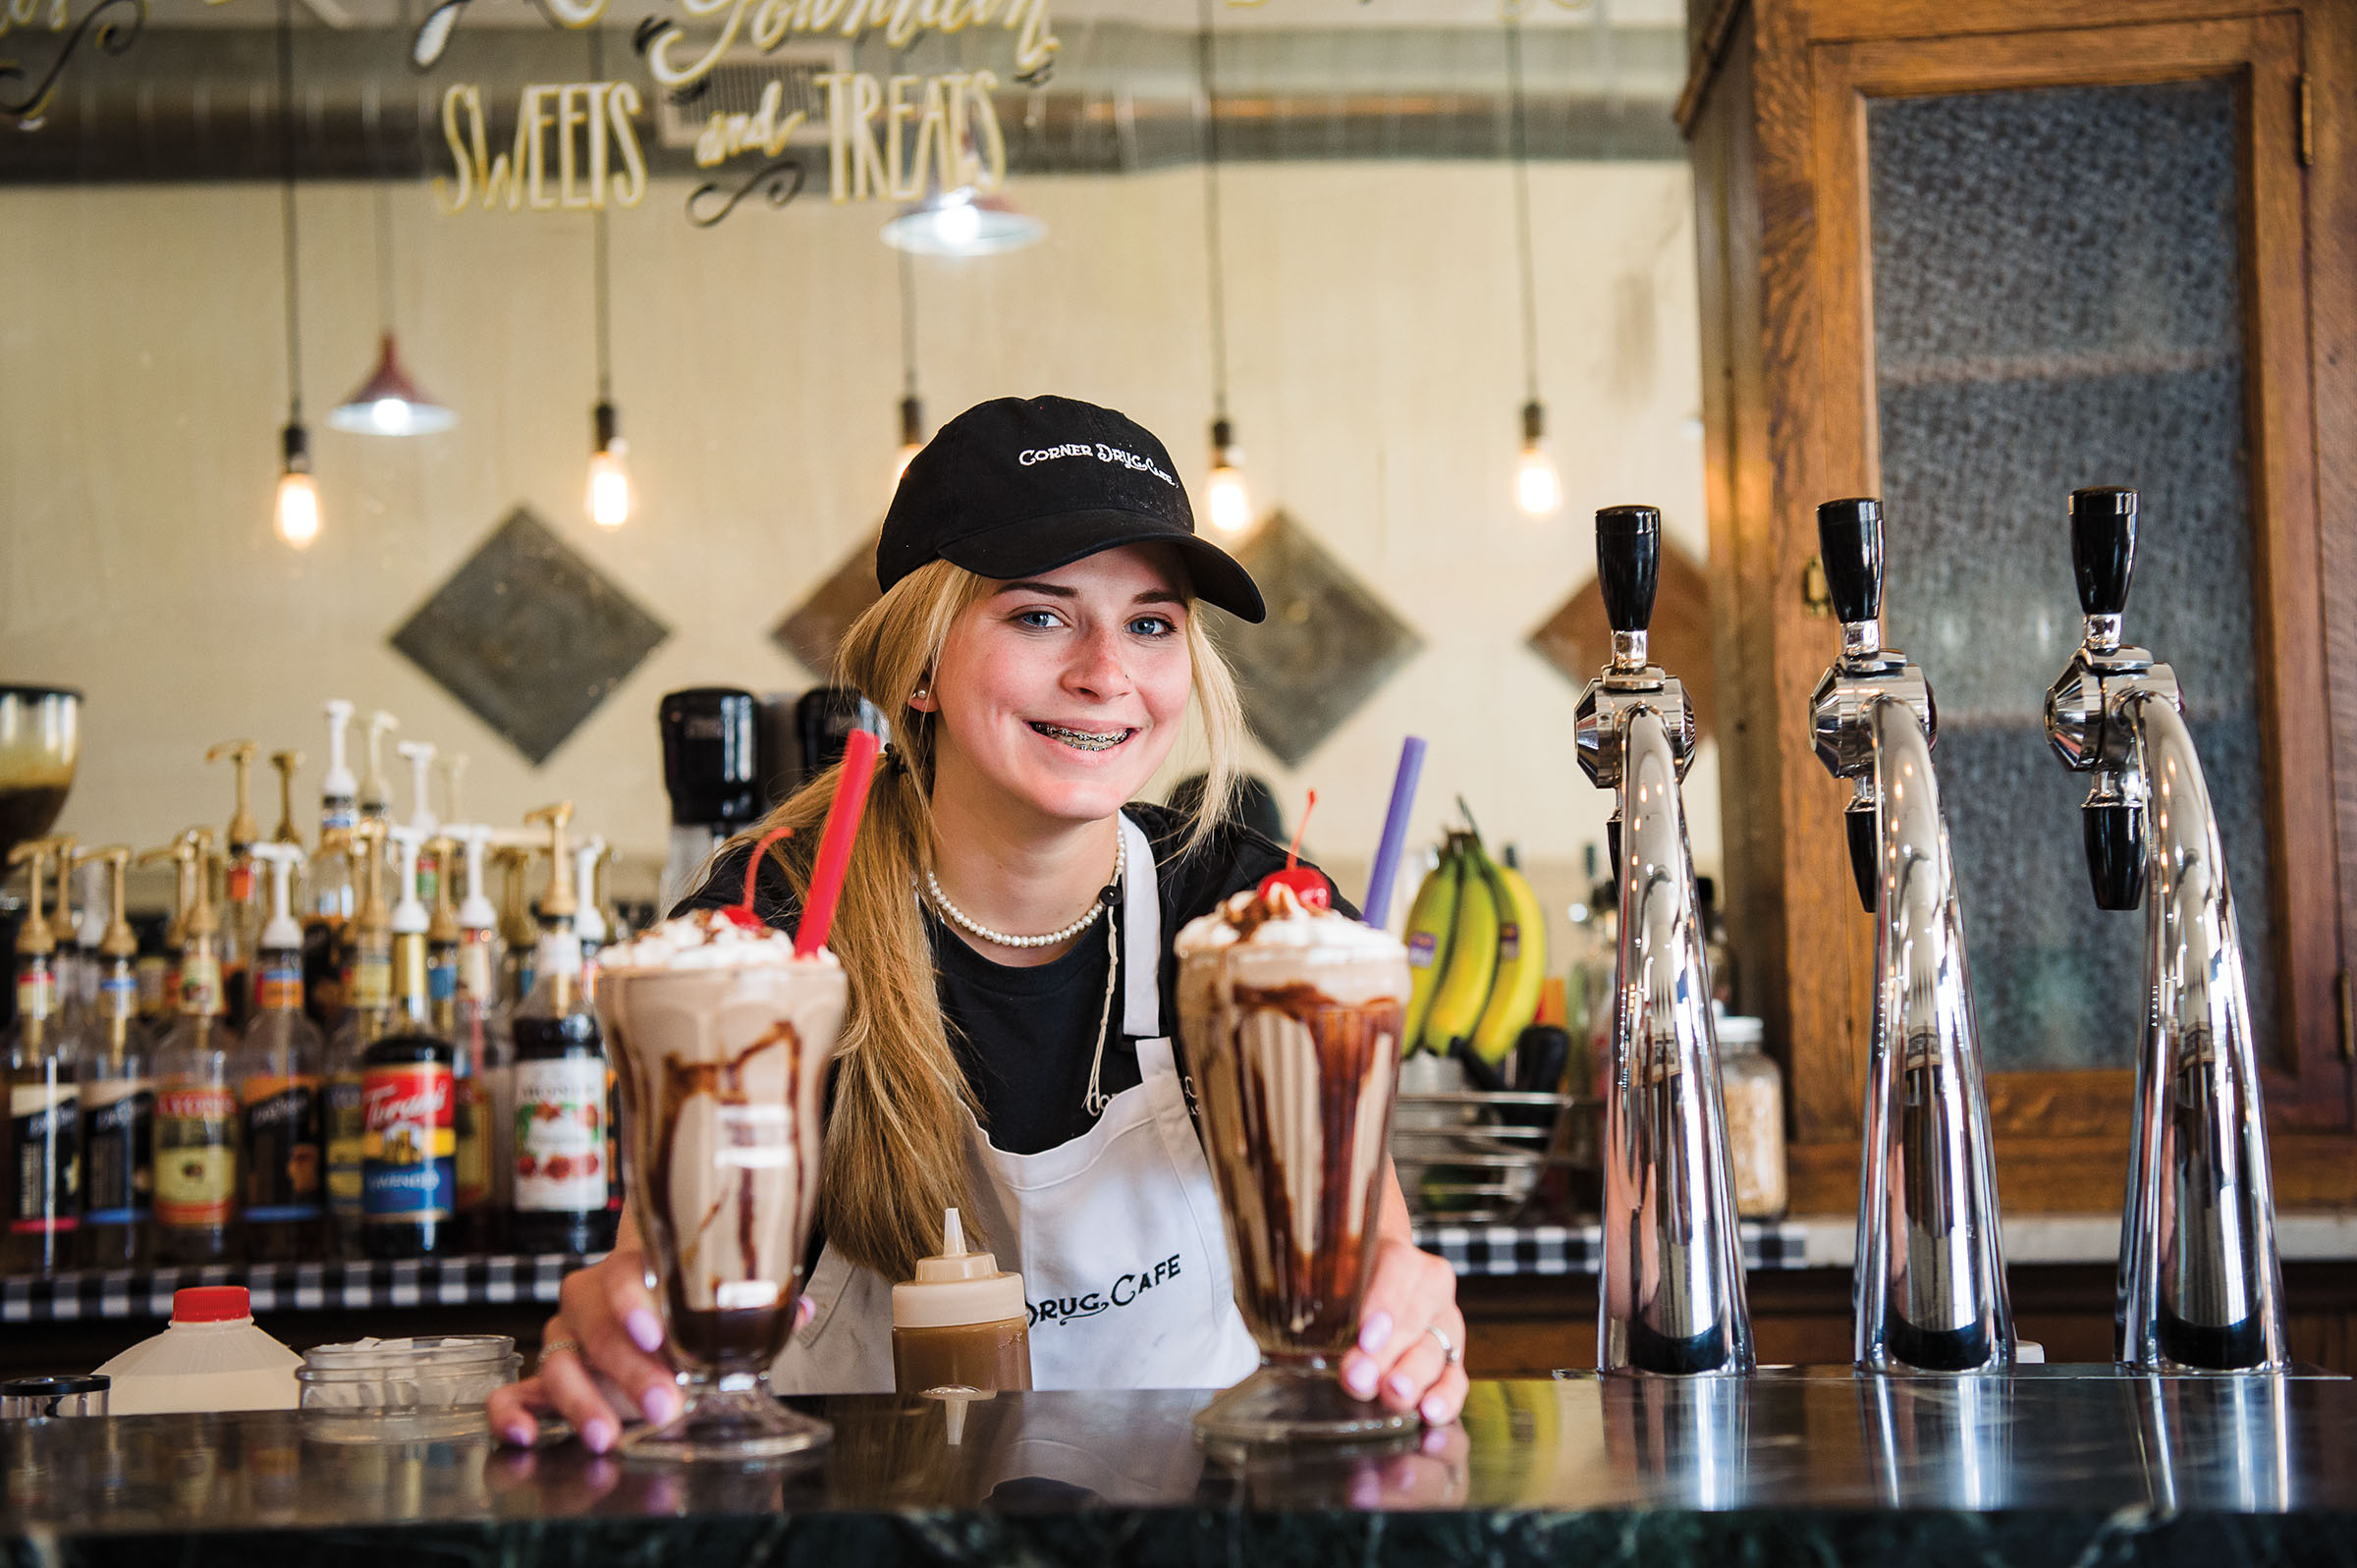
(962,1323)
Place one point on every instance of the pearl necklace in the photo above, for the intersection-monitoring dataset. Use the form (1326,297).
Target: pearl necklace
(1001,939)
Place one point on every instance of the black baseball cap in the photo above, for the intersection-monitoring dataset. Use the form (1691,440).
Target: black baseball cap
(1018,486)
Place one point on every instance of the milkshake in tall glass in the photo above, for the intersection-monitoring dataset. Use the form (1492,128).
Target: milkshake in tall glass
(722,1038)
(1291,1019)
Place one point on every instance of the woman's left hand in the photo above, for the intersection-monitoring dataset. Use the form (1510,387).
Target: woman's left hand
(1408,1332)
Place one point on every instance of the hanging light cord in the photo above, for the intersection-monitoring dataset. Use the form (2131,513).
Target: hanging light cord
(908,325)
(1211,215)
(384,253)
(1520,143)
(285,149)
(601,284)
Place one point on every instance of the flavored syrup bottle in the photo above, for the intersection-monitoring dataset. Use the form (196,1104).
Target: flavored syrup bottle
(471,1106)
(278,1073)
(408,1174)
(244,897)
(72,1010)
(118,1097)
(43,1186)
(590,925)
(562,1094)
(376,796)
(195,1098)
(159,1006)
(370,946)
(480,1036)
(419,755)
(332,885)
(520,937)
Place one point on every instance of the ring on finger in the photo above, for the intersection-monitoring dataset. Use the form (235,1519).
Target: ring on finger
(1451,1355)
(558,1343)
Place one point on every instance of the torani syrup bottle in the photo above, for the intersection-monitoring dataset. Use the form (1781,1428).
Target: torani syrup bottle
(371,943)
(281,1090)
(43,1185)
(409,1171)
(196,1098)
(118,1099)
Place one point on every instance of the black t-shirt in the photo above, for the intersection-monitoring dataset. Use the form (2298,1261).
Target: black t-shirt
(1025,1036)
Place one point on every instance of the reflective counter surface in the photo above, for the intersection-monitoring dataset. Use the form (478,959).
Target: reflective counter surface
(2049,1465)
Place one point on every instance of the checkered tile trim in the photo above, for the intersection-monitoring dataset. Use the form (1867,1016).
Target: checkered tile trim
(1579,1249)
(291,1287)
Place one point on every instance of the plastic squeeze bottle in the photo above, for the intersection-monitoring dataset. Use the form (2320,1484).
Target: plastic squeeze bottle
(211,1358)
(962,1323)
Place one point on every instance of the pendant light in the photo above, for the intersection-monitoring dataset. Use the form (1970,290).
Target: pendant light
(963,223)
(1537,488)
(1226,499)
(913,411)
(296,512)
(610,497)
(386,401)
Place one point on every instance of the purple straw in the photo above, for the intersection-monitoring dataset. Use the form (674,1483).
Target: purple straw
(1378,906)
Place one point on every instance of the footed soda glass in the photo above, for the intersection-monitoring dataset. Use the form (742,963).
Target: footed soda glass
(721,1072)
(1296,1054)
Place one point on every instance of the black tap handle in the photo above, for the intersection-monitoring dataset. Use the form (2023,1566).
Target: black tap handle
(1849,541)
(2103,547)
(1628,564)
(2115,833)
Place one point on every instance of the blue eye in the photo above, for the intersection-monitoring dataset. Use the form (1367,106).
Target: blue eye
(1041,619)
(1152,626)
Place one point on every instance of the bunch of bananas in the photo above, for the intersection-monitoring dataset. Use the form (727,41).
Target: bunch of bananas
(1476,954)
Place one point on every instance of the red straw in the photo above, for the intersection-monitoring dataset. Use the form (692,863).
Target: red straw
(1292,851)
(743,913)
(834,842)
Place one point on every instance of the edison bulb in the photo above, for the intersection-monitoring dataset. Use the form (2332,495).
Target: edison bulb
(1538,491)
(1227,499)
(297,512)
(609,487)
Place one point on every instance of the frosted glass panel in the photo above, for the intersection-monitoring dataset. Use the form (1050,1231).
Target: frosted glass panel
(2056,304)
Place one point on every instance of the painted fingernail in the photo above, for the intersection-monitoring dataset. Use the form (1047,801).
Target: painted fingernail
(645,1330)
(660,1403)
(1434,1410)
(1404,1390)
(1375,1332)
(520,1435)
(1361,1380)
(599,1435)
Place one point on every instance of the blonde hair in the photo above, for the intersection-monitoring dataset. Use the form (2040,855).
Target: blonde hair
(896,1148)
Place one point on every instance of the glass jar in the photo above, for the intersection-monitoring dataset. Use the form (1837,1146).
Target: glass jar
(404,1389)
(1754,1088)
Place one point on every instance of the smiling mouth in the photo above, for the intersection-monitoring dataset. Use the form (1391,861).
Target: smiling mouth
(1084,739)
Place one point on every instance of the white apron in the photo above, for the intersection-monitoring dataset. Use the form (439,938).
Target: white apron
(1117,1233)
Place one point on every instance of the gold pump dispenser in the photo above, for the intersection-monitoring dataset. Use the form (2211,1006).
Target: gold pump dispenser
(117,1094)
(286,762)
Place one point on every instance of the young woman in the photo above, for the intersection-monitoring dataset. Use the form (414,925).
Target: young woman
(1007,923)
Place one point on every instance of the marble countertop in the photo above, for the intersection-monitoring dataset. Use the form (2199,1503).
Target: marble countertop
(2051,1464)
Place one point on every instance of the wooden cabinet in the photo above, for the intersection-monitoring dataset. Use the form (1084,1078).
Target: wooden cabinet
(1968,255)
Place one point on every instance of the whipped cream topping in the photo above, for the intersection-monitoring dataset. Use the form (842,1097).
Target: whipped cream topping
(705,939)
(1279,918)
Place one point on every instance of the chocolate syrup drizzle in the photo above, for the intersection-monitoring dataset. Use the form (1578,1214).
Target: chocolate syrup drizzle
(1308,1290)
(724,1337)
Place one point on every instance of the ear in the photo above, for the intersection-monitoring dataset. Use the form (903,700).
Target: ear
(921,699)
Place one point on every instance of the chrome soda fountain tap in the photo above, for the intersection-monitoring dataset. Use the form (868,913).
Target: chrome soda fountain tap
(1929,1284)
(2198,1281)
(1671,1290)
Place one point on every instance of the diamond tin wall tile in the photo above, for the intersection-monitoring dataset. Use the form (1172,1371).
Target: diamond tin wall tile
(1329,643)
(813,629)
(529,635)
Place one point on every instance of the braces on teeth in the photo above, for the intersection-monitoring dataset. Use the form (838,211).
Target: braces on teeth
(1083,739)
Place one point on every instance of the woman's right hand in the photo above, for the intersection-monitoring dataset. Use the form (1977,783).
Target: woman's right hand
(601,1357)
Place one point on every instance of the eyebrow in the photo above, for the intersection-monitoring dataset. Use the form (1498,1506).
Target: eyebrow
(1053,590)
